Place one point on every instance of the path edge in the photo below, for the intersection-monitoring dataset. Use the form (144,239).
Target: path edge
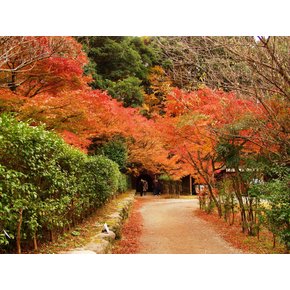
(102,243)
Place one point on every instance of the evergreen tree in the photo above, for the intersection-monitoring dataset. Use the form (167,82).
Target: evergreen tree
(120,65)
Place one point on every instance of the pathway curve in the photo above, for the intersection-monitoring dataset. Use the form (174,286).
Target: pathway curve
(170,226)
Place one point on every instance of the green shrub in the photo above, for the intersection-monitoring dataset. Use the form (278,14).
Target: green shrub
(45,184)
(128,90)
(123,184)
(116,150)
(101,179)
(274,208)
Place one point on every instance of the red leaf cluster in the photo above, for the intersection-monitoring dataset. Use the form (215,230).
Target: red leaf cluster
(131,232)
(233,235)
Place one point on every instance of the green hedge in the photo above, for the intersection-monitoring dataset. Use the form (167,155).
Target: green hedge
(46,186)
(116,150)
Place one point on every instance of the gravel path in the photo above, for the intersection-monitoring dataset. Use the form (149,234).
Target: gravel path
(171,227)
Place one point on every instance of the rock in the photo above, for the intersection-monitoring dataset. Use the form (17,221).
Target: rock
(101,247)
(111,236)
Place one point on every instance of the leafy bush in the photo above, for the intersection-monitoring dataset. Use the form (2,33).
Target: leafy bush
(115,150)
(276,204)
(46,185)
(101,179)
(123,183)
(128,91)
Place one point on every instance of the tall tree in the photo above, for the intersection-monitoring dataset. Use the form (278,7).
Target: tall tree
(120,65)
(252,66)
(195,123)
(33,65)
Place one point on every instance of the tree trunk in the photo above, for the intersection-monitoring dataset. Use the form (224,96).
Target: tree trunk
(18,236)
(233,218)
(238,192)
(12,85)
(251,220)
(232,210)
(51,235)
(35,242)
(217,204)
(274,241)
(244,220)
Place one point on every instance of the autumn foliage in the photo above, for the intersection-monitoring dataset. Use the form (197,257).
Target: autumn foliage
(171,131)
(32,65)
(131,232)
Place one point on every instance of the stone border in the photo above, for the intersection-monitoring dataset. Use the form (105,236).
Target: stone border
(102,242)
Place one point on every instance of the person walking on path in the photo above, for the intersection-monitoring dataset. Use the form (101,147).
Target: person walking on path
(144,187)
(159,187)
(156,187)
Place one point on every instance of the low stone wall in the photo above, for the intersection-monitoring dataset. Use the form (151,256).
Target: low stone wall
(102,242)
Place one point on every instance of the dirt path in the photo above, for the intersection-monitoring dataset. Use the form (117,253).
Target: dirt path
(171,227)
